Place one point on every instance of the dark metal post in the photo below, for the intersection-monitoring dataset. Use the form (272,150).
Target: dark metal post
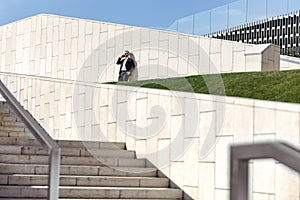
(241,154)
(239,171)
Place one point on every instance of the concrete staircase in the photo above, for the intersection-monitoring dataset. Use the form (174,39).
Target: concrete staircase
(111,173)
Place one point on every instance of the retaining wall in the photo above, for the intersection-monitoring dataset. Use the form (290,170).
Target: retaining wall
(77,49)
(289,63)
(187,136)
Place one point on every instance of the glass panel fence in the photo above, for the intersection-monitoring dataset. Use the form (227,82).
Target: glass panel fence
(234,14)
(219,18)
(185,25)
(173,27)
(276,7)
(237,13)
(293,5)
(256,10)
(202,23)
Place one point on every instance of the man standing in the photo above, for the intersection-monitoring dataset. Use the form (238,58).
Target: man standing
(126,66)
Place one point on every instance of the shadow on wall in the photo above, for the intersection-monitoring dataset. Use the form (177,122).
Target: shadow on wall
(134,73)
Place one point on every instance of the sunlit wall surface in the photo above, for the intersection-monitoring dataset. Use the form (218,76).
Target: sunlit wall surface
(234,14)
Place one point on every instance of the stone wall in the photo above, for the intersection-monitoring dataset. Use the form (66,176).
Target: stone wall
(186,135)
(77,49)
(289,63)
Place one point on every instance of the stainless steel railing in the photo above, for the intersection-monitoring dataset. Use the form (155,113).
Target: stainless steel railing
(241,154)
(42,136)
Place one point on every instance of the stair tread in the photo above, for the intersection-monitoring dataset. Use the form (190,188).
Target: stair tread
(77,199)
(92,192)
(87,142)
(85,181)
(91,170)
(63,147)
(91,188)
(70,165)
(72,157)
(66,151)
(7,168)
(83,176)
(75,160)
(79,166)
(62,143)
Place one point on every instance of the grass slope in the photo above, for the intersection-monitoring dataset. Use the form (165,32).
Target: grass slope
(281,86)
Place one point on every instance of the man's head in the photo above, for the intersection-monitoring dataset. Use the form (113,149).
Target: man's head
(126,53)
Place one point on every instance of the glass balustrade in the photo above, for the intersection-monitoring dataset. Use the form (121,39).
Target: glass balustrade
(234,14)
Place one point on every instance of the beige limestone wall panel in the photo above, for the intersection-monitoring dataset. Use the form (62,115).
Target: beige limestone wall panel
(56,36)
(215,63)
(287,183)
(289,63)
(178,155)
(204,63)
(227,56)
(239,61)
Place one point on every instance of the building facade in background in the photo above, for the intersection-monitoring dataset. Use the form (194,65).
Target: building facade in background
(281,30)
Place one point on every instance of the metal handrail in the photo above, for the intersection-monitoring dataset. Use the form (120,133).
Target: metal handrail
(42,136)
(241,154)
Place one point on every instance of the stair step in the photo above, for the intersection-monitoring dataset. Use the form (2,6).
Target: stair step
(62,143)
(12,124)
(18,141)
(4,110)
(79,170)
(103,199)
(12,128)
(9,118)
(22,134)
(72,199)
(8,149)
(91,192)
(94,181)
(67,160)
(68,151)
(89,169)
(92,144)
(3,104)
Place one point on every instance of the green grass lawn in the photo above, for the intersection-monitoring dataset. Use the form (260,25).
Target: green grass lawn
(281,86)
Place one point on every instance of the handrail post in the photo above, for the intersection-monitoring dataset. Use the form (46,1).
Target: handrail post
(239,178)
(241,154)
(54,172)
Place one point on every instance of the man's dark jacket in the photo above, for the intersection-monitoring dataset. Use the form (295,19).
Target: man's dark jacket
(129,64)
